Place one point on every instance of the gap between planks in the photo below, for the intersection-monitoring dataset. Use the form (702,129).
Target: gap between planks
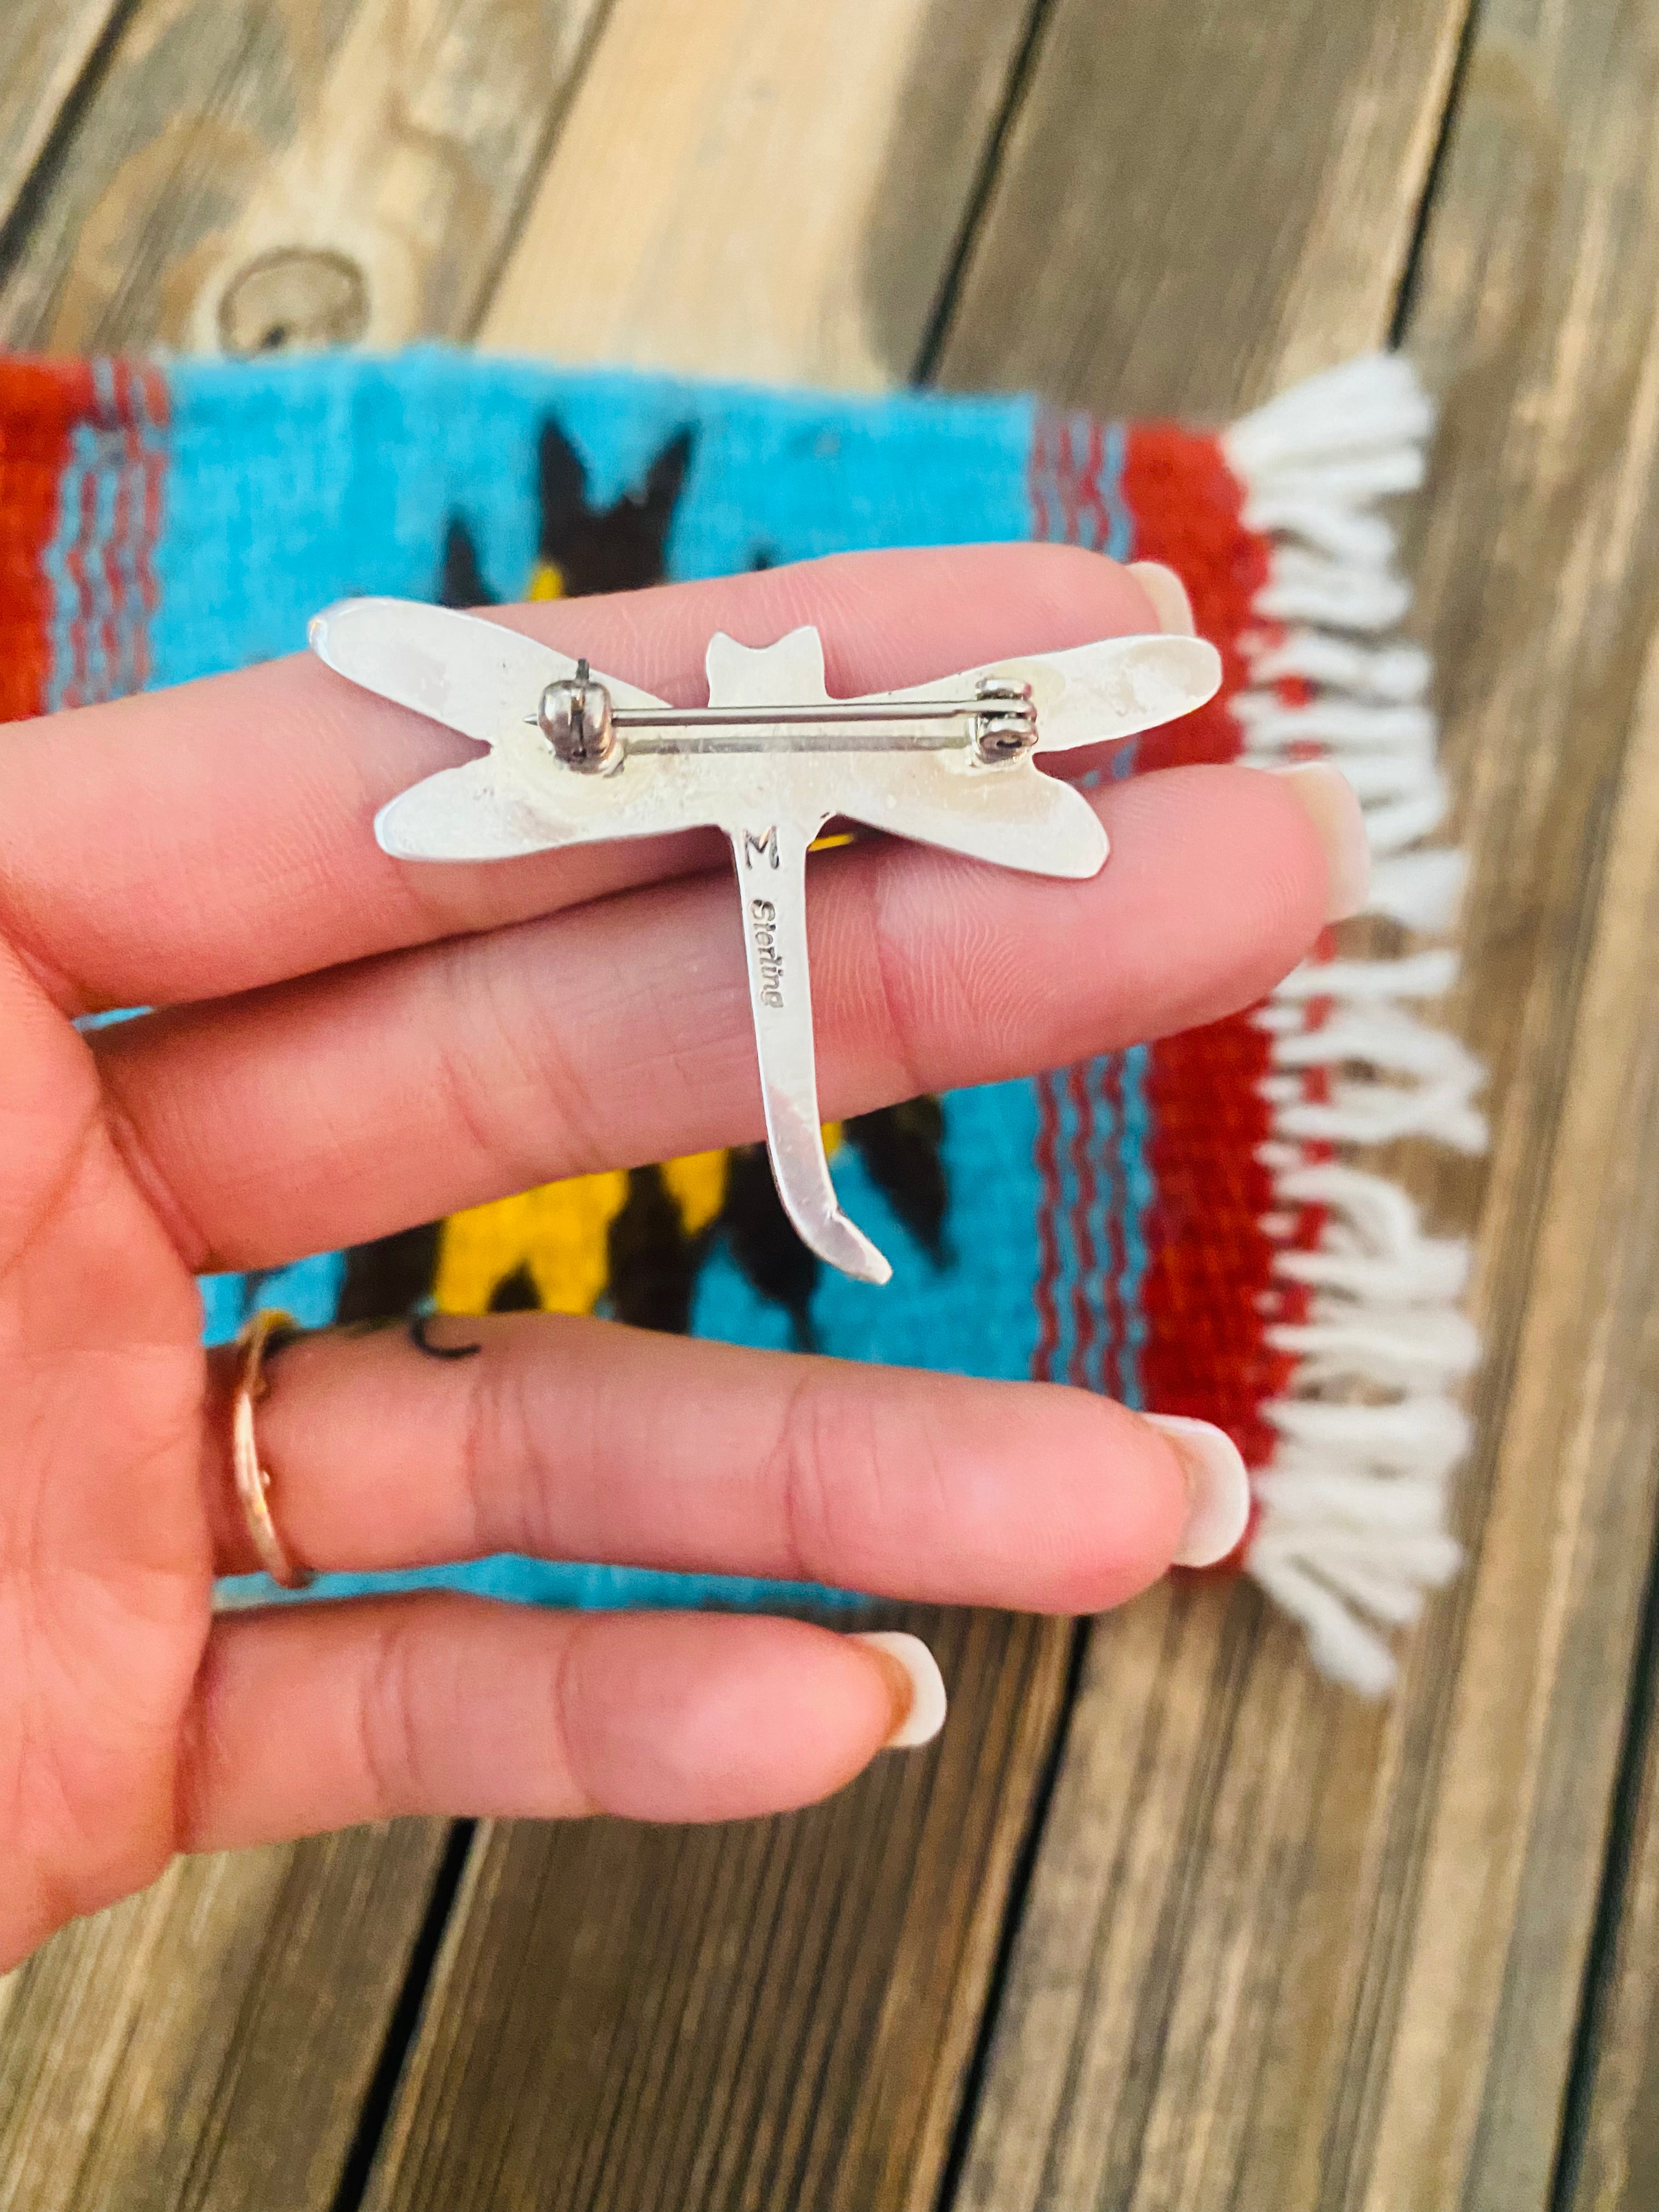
(193,147)
(130,247)
(1389,85)
(53,51)
(1366,1992)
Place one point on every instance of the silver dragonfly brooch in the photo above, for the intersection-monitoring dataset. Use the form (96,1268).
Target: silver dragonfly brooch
(575,758)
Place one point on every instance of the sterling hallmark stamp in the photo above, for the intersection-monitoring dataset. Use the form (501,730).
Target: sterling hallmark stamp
(763,914)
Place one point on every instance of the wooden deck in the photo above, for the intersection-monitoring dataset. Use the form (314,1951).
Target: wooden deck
(1220,1936)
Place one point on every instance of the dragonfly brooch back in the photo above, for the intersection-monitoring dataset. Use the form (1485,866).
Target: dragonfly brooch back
(576,757)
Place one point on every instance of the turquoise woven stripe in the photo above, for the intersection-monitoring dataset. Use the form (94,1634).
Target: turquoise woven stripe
(289,484)
(1136,1190)
(1101,1326)
(552,1582)
(293,483)
(307,1289)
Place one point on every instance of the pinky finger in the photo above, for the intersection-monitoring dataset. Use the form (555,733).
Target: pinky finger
(317,1717)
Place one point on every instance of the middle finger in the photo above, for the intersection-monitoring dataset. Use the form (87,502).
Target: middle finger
(184,845)
(335,1109)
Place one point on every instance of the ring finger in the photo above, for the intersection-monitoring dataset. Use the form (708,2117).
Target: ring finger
(577,1439)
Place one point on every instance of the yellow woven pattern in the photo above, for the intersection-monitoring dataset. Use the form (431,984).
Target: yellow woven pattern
(557,1232)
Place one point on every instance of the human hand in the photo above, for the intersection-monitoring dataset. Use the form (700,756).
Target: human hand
(345,1045)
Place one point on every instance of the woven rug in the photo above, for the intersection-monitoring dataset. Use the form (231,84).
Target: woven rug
(1188,1225)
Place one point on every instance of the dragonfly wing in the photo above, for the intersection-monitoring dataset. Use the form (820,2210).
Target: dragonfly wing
(470,813)
(518,798)
(1014,816)
(475,676)
(1122,686)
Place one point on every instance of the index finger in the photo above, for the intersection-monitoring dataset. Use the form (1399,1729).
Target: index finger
(188,844)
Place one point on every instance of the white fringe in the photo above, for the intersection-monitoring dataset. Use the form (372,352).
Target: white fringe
(1352,1530)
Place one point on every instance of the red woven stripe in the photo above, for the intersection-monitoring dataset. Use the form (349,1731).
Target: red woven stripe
(153,392)
(1110,1372)
(74,691)
(114,580)
(119,568)
(1210,1267)
(40,403)
(1187,505)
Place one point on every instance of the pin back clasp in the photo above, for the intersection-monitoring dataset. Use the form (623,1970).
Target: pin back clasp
(578,720)
(589,733)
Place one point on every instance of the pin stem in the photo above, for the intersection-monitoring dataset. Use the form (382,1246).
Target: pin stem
(809,737)
(588,733)
(835,712)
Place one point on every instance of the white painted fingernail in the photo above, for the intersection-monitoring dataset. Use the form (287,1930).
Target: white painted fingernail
(919,1697)
(1329,799)
(1169,597)
(1218,1488)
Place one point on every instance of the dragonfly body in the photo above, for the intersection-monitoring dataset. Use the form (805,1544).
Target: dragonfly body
(769,784)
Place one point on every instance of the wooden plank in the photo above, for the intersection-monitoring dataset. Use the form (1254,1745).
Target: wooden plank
(838,2011)
(623,2094)
(213,129)
(45,47)
(1198,205)
(1544,561)
(222,2029)
(746,188)
(257,174)
(1332,1957)
(775,2012)
(211,2042)
(1613,1120)
(1611,2149)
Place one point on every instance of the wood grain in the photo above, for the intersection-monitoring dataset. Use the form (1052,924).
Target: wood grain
(45,47)
(776,2013)
(209,2043)
(254,174)
(1197,205)
(1545,560)
(1601,1221)
(1611,2153)
(1280,1949)
(222,2030)
(597,2114)
(770,189)
(837,2014)
(1333,1958)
